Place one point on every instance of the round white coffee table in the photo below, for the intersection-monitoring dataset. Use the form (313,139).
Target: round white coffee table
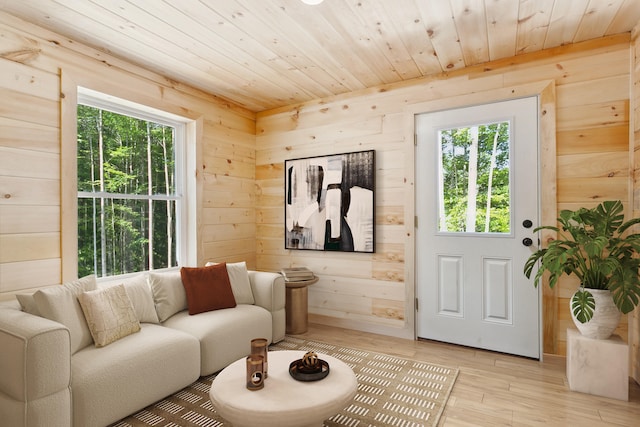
(284,401)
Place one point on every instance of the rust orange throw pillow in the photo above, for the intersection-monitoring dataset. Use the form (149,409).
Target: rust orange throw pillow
(207,288)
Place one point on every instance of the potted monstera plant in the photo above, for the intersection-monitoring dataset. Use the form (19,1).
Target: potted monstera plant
(597,246)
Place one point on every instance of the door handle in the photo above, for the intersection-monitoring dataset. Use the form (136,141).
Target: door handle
(527,241)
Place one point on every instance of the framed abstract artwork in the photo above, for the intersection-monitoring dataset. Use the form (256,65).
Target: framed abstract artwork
(329,202)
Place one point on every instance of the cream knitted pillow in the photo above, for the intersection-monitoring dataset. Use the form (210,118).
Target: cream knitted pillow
(109,313)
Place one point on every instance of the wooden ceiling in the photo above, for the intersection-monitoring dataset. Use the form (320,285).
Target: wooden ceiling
(264,54)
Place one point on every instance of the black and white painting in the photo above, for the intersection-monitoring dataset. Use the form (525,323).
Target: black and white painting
(329,202)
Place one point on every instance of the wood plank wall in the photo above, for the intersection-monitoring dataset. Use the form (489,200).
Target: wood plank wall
(634,318)
(372,292)
(32,61)
(241,211)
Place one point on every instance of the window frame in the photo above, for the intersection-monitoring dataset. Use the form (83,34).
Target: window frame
(185,182)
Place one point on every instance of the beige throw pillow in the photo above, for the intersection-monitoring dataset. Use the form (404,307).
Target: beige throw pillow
(61,305)
(139,292)
(169,295)
(240,285)
(109,314)
(28,304)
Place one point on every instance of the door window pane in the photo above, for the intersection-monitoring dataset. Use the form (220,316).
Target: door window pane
(474,179)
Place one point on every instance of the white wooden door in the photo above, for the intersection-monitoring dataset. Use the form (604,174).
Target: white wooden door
(470,286)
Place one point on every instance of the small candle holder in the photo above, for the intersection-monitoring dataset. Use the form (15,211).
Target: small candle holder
(259,347)
(255,375)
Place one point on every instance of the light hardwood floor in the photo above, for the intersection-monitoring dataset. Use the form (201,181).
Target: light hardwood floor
(494,389)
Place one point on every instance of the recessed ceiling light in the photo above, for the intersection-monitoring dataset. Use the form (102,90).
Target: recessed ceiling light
(312,2)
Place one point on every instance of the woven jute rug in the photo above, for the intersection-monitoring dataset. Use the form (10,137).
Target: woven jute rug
(391,392)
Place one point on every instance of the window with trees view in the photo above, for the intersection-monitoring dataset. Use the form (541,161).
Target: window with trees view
(474,179)
(129,190)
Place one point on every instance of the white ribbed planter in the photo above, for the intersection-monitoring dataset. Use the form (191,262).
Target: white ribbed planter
(606,316)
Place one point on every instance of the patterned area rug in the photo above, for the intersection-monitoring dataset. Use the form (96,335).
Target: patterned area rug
(391,392)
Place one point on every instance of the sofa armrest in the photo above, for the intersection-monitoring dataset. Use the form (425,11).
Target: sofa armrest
(269,292)
(35,361)
(268,289)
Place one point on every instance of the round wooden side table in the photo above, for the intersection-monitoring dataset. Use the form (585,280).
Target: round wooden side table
(297,305)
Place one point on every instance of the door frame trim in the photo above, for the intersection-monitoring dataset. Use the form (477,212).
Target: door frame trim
(546,93)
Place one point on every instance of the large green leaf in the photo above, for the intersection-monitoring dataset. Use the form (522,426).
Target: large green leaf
(582,305)
(610,215)
(626,290)
(594,247)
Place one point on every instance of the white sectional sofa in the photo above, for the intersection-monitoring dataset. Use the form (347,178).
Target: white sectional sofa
(53,374)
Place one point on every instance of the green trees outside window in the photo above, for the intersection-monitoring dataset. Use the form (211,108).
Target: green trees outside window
(126,193)
(474,193)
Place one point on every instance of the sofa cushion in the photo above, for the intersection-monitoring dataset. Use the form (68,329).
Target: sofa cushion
(168,292)
(225,335)
(109,313)
(207,288)
(239,278)
(61,304)
(112,382)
